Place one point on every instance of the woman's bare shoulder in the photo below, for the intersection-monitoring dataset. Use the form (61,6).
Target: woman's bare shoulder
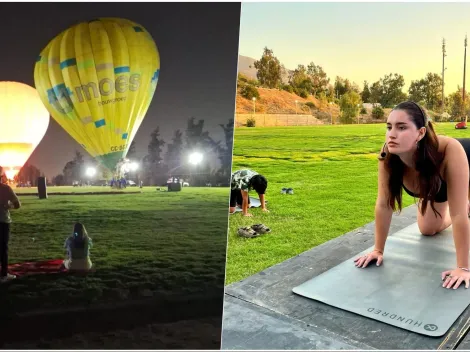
(445,141)
(451,151)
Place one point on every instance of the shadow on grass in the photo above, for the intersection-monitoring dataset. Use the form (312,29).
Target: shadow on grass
(57,291)
(110,317)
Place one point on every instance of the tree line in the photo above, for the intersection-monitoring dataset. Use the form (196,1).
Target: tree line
(159,162)
(312,80)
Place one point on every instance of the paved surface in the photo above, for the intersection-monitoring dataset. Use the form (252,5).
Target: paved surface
(262,312)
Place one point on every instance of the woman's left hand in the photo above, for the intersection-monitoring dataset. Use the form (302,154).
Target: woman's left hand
(453,278)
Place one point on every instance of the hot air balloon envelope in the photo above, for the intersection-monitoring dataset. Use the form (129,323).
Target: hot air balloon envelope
(23,124)
(97,80)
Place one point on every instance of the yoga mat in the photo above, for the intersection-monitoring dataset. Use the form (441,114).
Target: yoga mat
(405,291)
(254,203)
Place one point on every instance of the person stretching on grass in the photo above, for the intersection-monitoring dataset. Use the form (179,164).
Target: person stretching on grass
(8,200)
(241,183)
(434,169)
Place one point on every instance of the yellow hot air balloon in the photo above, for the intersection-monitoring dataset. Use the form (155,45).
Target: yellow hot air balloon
(97,80)
(23,124)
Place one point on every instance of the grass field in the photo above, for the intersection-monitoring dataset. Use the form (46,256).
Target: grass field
(84,189)
(333,171)
(203,334)
(147,244)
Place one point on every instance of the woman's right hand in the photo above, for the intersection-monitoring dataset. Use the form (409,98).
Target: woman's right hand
(364,260)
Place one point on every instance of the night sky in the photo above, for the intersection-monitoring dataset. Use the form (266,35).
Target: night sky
(198,46)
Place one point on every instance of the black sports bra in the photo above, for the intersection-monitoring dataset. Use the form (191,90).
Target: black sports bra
(441,195)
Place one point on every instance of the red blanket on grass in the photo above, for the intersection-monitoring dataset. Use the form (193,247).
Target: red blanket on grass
(32,268)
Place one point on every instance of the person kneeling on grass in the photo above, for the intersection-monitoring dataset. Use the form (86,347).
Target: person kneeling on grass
(241,183)
(78,250)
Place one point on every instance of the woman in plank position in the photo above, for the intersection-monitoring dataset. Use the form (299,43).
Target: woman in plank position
(434,169)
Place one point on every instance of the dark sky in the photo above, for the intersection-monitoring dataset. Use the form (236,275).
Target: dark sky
(198,46)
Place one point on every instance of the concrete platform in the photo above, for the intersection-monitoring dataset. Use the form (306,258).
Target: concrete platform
(262,312)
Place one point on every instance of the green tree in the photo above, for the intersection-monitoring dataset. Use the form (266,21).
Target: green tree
(249,92)
(365,95)
(318,79)
(29,173)
(73,170)
(58,180)
(330,93)
(269,69)
(197,140)
(131,153)
(455,104)
(78,158)
(323,101)
(195,136)
(342,86)
(152,162)
(378,112)
(174,151)
(300,80)
(388,90)
(427,91)
(350,104)
(224,153)
(241,78)
(155,147)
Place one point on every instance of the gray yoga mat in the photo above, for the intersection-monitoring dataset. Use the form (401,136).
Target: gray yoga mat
(254,203)
(405,291)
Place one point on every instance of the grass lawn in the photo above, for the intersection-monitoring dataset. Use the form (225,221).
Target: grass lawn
(181,335)
(147,244)
(333,171)
(84,189)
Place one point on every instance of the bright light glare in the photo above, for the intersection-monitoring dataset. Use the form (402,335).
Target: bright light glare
(133,166)
(90,172)
(195,158)
(11,174)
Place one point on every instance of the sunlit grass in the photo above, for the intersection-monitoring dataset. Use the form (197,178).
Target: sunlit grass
(333,171)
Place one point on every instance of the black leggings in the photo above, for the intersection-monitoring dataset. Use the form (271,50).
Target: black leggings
(237,198)
(4,238)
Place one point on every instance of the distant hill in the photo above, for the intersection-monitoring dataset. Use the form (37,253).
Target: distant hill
(246,66)
(244,63)
(274,101)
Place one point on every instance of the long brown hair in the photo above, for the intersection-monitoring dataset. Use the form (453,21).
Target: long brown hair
(427,160)
(80,235)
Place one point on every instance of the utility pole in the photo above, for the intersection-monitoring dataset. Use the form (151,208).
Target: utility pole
(464,68)
(443,69)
